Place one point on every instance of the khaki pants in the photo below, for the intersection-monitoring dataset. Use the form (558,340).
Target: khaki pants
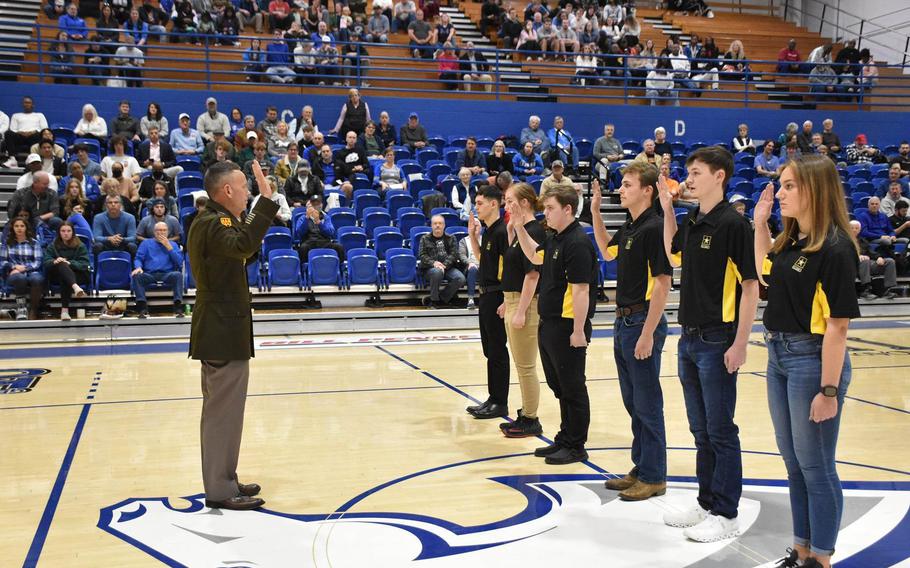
(224,385)
(523,346)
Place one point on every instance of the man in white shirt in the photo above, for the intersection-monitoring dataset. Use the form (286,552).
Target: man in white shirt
(131,59)
(25,128)
(682,68)
(33,164)
(211,120)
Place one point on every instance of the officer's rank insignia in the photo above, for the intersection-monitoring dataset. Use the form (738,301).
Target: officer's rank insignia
(706,242)
(800,263)
(225,221)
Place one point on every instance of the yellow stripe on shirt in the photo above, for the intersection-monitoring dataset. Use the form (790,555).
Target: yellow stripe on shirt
(731,278)
(821,311)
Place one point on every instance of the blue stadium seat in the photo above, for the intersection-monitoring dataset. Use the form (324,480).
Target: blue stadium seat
(362,267)
(377,217)
(342,217)
(436,143)
(276,238)
(365,198)
(744,187)
(485,145)
(696,145)
(385,238)
(395,199)
(409,169)
(585,148)
(323,268)
(351,237)
(410,217)
(189,163)
(401,153)
(415,235)
(284,269)
(451,156)
(433,171)
(253,273)
(745,172)
(864,187)
(678,148)
(361,181)
(417,185)
(458,142)
(112,271)
(94,147)
(445,186)
(457,232)
(633,146)
(427,154)
(744,159)
(859,170)
(401,266)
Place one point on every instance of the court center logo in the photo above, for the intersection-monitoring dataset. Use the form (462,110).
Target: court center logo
(19,381)
(567,520)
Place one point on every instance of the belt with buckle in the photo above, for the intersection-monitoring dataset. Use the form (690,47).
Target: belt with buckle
(626,311)
(488,289)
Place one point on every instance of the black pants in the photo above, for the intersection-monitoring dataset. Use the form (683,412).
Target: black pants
(64,275)
(19,144)
(493,339)
(307,246)
(564,367)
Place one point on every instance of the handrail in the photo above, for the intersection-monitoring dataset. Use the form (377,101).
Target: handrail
(214,66)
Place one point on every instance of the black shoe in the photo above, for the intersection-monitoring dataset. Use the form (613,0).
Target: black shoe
(482,406)
(811,563)
(868,296)
(178,310)
(238,503)
(143,314)
(547,450)
(492,411)
(249,489)
(889,295)
(507,425)
(566,456)
(524,427)
(791,561)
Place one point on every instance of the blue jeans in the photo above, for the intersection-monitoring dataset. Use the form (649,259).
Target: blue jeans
(22,282)
(173,280)
(794,378)
(639,383)
(472,280)
(454,279)
(710,395)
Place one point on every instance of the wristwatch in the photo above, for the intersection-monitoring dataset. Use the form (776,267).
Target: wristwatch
(829,391)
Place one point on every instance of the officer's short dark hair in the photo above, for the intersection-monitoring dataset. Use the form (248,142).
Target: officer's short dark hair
(216,175)
(716,158)
(490,192)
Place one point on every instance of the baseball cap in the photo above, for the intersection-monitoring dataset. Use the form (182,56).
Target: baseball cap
(32,158)
(211,100)
(861,138)
(556,164)
(155,201)
(218,131)
(413,115)
(303,165)
(182,115)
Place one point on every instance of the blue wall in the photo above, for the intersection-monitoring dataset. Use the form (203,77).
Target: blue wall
(62,104)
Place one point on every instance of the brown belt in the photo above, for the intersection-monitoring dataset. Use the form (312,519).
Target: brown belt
(625,311)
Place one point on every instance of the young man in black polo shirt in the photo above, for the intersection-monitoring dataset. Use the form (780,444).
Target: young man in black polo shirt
(643,277)
(489,250)
(718,298)
(568,289)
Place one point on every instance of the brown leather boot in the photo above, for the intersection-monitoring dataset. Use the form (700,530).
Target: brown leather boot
(641,491)
(621,484)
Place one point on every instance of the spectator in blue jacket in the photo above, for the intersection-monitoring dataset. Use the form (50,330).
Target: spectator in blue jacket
(136,28)
(561,140)
(114,229)
(877,227)
(72,24)
(322,35)
(278,61)
(314,230)
(158,260)
(526,162)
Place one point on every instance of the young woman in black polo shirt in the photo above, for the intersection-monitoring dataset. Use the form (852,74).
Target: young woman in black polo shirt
(811,298)
(568,288)
(519,310)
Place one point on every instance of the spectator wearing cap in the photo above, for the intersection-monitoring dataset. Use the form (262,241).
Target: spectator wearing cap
(860,153)
(158,260)
(556,179)
(186,141)
(246,154)
(413,134)
(124,124)
(157,213)
(211,120)
(33,165)
(314,230)
(474,68)
(378,26)
(302,185)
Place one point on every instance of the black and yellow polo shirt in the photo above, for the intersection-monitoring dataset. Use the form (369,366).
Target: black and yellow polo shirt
(569,258)
(493,245)
(638,248)
(717,255)
(805,289)
(515,264)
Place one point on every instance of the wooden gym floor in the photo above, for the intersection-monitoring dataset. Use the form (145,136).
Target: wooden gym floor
(367,458)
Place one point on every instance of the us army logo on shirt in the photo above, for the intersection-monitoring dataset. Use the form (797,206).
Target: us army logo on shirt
(629,243)
(489,245)
(800,263)
(555,254)
(706,242)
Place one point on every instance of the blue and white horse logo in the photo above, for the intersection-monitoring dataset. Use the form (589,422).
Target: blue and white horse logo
(18,381)
(567,520)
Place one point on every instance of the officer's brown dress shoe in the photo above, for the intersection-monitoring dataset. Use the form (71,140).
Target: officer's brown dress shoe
(249,489)
(622,483)
(641,491)
(238,503)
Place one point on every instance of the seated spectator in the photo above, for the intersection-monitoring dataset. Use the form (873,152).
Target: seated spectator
(154,117)
(510,30)
(108,28)
(438,259)
(211,120)
(302,185)
(420,37)
(327,71)
(124,124)
(661,146)
(445,32)
(389,174)
(20,263)
(535,135)
(75,201)
(55,9)
(789,60)
(314,230)
(355,59)
(255,61)
(659,85)
(249,12)
(24,130)
(894,175)
(198,206)
(876,228)
(126,187)
(804,138)
(413,134)
(88,186)
(278,144)
(218,150)
(498,161)
(471,158)
(95,60)
(378,26)
(147,228)
(823,81)
(47,134)
(607,150)
(186,141)
(385,7)
(583,213)
(892,198)
(135,29)
(463,192)
(386,130)
(742,142)
(567,40)
(33,165)
(158,260)
(130,61)
(527,163)
(470,266)
(403,15)
(767,164)
(155,19)
(154,151)
(278,61)
(287,165)
(735,65)
(118,155)
(50,163)
(280,15)
(259,156)
(324,168)
(66,263)
(556,178)
(474,68)
(370,142)
(160,191)
(899,220)
(228,26)
(243,141)
(528,41)
(62,59)
(72,24)
(41,201)
(350,161)
(860,153)
(546,37)
(876,262)
(158,175)
(790,152)
(89,166)
(848,58)
(269,125)
(868,73)
(114,229)
(283,215)
(648,154)
(631,30)
(91,125)
(562,144)
(821,55)
(902,158)
(829,137)
(586,67)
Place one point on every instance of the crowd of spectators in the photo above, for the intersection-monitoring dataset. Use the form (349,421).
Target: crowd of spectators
(844,76)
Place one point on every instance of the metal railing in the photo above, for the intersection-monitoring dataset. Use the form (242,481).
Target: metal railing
(209,65)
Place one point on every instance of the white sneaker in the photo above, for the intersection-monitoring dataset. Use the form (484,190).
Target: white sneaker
(78,291)
(687,518)
(65,315)
(21,314)
(471,305)
(11,163)
(712,529)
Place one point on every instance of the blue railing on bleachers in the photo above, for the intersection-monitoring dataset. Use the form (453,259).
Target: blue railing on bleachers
(209,66)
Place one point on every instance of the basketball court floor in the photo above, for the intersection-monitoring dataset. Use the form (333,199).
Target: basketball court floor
(367,458)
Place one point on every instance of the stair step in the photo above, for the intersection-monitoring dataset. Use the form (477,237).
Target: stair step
(529,88)
(536,98)
(785,97)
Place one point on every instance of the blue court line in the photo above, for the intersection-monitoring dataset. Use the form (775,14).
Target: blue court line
(34,551)
(878,404)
